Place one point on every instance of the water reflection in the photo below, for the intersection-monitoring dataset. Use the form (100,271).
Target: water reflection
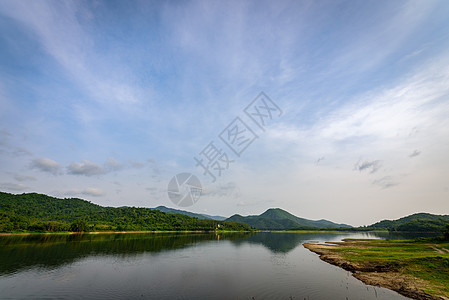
(51,251)
(193,265)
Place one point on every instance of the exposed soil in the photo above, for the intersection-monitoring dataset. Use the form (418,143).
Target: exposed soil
(387,275)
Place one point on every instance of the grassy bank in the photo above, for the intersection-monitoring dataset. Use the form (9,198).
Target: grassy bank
(415,268)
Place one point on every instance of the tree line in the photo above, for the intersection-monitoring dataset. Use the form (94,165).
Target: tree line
(34,212)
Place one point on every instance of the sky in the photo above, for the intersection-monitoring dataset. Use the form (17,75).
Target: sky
(109,100)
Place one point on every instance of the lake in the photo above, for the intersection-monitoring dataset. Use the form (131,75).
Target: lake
(177,266)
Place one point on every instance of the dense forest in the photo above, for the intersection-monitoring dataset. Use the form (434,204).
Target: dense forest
(41,213)
(420,222)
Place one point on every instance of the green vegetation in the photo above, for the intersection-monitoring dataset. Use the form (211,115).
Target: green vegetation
(278,219)
(421,222)
(40,213)
(446,232)
(424,261)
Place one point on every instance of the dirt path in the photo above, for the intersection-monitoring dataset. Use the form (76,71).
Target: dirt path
(434,247)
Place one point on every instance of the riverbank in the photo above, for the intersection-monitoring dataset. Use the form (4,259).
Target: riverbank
(172,231)
(121,232)
(418,269)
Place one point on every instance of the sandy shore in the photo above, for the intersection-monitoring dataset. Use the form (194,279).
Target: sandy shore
(377,275)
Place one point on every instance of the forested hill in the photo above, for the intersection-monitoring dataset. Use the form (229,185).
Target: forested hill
(188,213)
(38,212)
(420,222)
(279,219)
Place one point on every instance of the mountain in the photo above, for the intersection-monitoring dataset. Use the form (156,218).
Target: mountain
(38,212)
(419,222)
(188,213)
(279,219)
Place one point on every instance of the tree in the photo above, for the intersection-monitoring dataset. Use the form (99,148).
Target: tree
(446,232)
(79,226)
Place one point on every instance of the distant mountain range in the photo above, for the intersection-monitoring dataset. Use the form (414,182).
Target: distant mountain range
(272,219)
(279,219)
(33,211)
(188,213)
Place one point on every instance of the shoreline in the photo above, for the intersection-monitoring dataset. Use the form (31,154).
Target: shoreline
(169,231)
(120,232)
(385,275)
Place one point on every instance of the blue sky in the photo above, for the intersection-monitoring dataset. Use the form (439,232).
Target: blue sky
(108,100)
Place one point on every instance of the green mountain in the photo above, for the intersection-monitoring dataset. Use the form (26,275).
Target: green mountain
(37,212)
(278,219)
(190,214)
(419,222)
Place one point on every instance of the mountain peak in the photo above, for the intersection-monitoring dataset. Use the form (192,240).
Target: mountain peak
(276,213)
(279,219)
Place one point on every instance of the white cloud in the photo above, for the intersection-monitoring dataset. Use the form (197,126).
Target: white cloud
(414,153)
(372,166)
(393,112)
(85,168)
(381,119)
(46,165)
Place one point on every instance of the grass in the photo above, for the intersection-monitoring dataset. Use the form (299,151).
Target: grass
(425,259)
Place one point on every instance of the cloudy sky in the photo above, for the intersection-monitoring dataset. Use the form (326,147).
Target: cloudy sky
(108,100)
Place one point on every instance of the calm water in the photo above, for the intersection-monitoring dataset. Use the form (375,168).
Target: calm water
(176,266)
